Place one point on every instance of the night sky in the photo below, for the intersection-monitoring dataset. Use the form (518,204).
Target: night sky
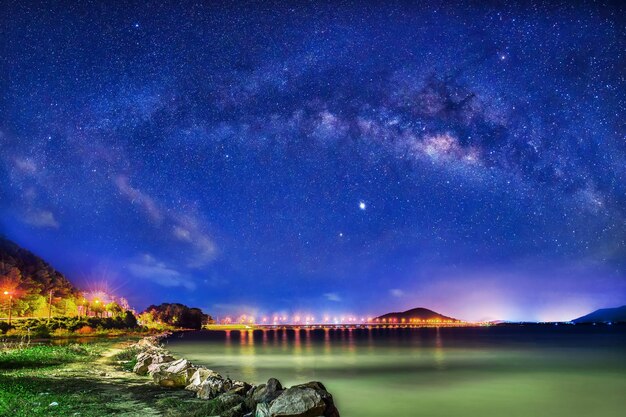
(321,157)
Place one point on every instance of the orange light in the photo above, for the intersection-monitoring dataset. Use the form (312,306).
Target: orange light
(6,293)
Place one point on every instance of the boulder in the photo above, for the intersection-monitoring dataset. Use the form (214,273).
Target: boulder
(175,374)
(262,410)
(229,400)
(240,387)
(266,393)
(331,410)
(145,359)
(157,367)
(298,402)
(198,377)
(212,387)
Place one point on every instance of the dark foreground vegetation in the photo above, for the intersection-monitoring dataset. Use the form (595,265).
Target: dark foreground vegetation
(85,380)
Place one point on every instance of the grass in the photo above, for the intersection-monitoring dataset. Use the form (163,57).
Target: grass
(37,356)
(24,394)
(30,382)
(126,359)
(77,380)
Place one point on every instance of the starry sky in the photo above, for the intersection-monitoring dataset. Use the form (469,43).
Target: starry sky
(322,157)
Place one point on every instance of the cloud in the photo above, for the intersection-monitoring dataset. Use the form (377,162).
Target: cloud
(41,218)
(185,228)
(148,267)
(188,229)
(332,296)
(396,292)
(136,196)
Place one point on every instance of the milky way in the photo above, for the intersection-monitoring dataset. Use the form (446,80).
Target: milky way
(323,157)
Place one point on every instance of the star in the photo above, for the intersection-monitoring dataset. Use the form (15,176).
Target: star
(362,205)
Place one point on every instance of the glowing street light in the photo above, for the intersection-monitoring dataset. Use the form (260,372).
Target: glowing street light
(10,304)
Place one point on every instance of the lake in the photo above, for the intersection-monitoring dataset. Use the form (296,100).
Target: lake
(525,371)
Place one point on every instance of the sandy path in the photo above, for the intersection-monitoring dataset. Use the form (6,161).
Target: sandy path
(125,393)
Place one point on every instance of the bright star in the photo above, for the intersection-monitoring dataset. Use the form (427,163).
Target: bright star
(362,205)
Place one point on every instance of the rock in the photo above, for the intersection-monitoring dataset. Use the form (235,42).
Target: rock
(298,402)
(156,367)
(331,410)
(198,377)
(266,393)
(212,387)
(147,359)
(240,387)
(262,410)
(175,374)
(230,400)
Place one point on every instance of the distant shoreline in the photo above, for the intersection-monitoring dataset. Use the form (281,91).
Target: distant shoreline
(245,327)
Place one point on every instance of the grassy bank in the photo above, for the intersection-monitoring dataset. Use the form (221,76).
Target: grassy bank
(91,379)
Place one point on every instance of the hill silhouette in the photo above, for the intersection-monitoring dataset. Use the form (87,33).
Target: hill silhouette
(617,314)
(419,313)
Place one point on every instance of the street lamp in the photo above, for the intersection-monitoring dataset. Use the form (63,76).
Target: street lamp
(10,304)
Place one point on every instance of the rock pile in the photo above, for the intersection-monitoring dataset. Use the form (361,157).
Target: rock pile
(238,398)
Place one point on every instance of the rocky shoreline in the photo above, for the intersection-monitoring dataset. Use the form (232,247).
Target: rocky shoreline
(237,398)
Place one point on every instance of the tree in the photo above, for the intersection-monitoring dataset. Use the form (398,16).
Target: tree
(97,307)
(10,279)
(114,309)
(177,315)
(130,321)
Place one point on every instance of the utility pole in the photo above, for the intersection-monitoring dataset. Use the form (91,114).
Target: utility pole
(10,307)
(49,306)
(10,304)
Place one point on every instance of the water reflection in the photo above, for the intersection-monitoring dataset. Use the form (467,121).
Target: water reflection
(248,355)
(439,353)
(374,372)
(327,348)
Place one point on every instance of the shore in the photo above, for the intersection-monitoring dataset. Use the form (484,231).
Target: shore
(135,376)
(90,379)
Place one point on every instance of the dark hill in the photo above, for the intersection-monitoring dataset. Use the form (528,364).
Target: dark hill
(617,314)
(419,313)
(26,273)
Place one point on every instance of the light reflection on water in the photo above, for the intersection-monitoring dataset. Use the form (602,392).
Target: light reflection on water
(432,372)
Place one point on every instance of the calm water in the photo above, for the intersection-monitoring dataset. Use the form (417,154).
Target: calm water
(496,371)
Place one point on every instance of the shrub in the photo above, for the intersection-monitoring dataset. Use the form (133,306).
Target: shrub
(61,332)
(40,331)
(85,330)
(5,327)
(130,321)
